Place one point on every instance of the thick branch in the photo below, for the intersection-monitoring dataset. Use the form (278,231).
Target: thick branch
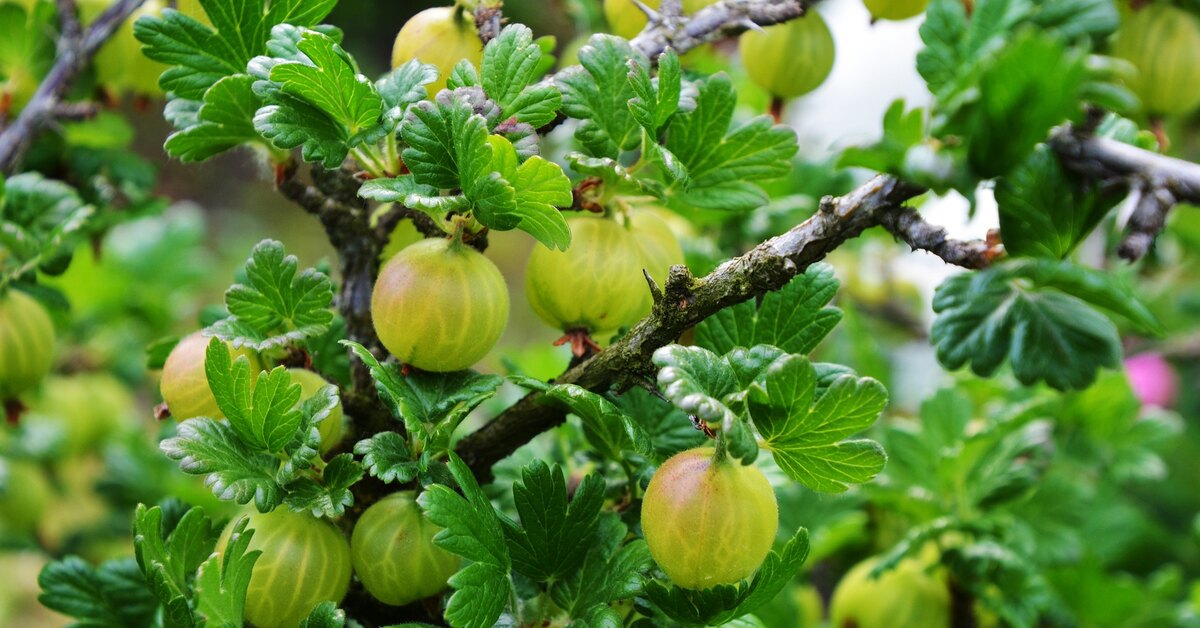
(1158,182)
(685,302)
(75,50)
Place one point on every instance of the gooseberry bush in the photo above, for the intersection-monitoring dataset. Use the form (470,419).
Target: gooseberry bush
(362,443)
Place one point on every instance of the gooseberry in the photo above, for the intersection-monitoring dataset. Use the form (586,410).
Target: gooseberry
(394,555)
(895,9)
(24,492)
(439,305)
(1163,43)
(26,343)
(908,595)
(333,427)
(184,384)
(596,285)
(304,561)
(441,36)
(805,43)
(708,521)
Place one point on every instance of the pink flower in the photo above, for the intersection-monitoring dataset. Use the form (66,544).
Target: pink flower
(1153,380)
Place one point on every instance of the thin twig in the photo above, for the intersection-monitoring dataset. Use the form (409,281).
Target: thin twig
(908,225)
(716,21)
(74,54)
(1157,182)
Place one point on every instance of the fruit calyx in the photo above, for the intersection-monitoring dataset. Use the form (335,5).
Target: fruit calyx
(582,345)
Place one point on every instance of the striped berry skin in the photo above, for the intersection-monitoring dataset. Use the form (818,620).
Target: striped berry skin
(304,561)
(333,427)
(26,343)
(439,306)
(184,385)
(789,59)
(393,552)
(1163,43)
(708,522)
(595,285)
(441,36)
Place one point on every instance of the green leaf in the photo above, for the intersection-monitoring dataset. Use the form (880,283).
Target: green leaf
(725,603)
(510,66)
(406,191)
(1045,211)
(277,306)
(402,88)
(1007,121)
(223,580)
(330,82)
(290,122)
(264,415)
(40,222)
(325,615)
(610,572)
(540,188)
(954,45)
(795,319)
(447,143)
(224,121)
(805,434)
(1078,18)
(1047,334)
(598,92)
(169,561)
(325,81)
(330,497)
(553,536)
(425,400)
(472,530)
(114,594)
(606,427)
(655,102)
(1104,290)
(698,382)
(201,55)
(669,428)
(235,472)
(386,456)
(724,160)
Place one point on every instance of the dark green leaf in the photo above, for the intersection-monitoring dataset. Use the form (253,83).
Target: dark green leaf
(277,306)
(553,536)
(598,92)
(724,159)
(606,427)
(987,317)
(472,530)
(224,121)
(113,594)
(201,55)
(795,319)
(386,456)
(1046,212)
